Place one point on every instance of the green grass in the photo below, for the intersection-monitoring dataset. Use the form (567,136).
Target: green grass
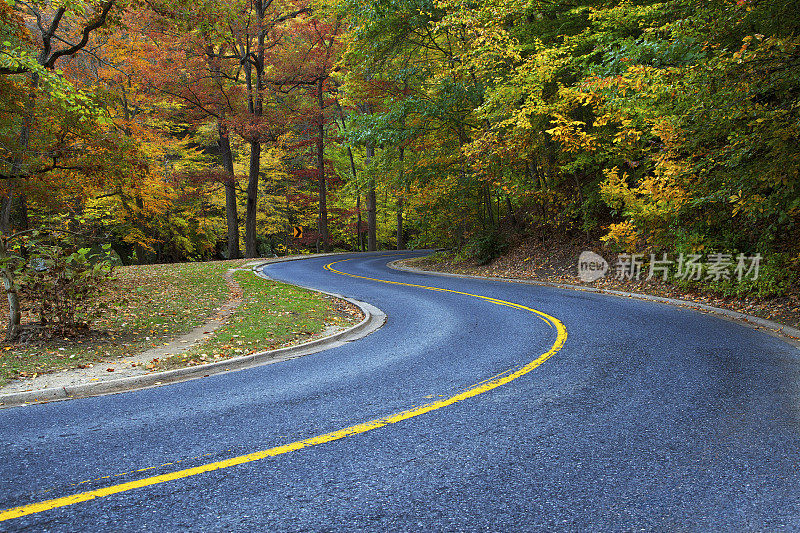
(168,299)
(151,304)
(271,315)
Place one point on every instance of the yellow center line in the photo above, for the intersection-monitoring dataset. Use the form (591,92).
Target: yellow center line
(543,316)
(479,388)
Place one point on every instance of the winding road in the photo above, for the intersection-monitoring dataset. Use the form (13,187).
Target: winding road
(480,405)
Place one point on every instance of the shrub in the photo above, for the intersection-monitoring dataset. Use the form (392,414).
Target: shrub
(483,248)
(61,286)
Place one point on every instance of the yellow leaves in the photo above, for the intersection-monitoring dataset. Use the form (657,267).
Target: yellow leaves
(663,189)
(627,136)
(667,130)
(603,120)
(482,41)
(746,205)
(670,170)
(272,163)
(588,95)
(521,121)
(135,236)
(571,134)
(665,193)
(738,201)
(615,190)
(651,204)
(624,234)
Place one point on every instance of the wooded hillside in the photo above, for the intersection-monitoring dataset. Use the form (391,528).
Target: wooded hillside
(190,130)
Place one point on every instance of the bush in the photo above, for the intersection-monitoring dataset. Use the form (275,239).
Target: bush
(484,247)
(776,278)
(61,287)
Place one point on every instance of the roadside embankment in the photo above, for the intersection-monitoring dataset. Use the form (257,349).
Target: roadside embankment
(549,264)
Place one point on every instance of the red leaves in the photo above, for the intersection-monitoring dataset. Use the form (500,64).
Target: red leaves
(305,173)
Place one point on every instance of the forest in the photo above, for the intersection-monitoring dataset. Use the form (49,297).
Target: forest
(175,130)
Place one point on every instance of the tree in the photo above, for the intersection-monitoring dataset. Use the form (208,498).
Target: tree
(50,33)
(204,85)
(405,61)
(308,61)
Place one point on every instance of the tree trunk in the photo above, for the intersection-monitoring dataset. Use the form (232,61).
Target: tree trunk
(250,242)
(487,192)
(400,243)
(231,209)
(372,234)
(232,218)
(255,104)
(322,223)
(21,211)
(5,212)
(14,314)
(323,208)
(141,253)
(359,240)
(511,211)
(359,237)
(15,199)
(579,188)
(224,143)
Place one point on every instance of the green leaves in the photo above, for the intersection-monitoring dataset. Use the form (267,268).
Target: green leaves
(60,287)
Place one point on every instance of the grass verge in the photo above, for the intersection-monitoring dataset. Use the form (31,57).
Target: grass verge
(151,304)
(271,315)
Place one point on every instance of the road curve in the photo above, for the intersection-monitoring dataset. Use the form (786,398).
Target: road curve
(647,417)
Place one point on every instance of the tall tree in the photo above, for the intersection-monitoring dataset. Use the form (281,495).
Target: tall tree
(308,62)
(194,68)
(59,32)
(259,30)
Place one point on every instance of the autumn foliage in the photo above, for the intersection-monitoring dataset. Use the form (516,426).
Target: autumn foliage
(192,130)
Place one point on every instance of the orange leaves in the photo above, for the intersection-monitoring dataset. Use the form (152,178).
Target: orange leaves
(623,234)
(668,131)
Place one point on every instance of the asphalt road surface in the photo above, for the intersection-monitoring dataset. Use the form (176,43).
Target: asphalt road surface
(489,406)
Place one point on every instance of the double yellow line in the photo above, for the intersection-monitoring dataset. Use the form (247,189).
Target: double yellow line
(479,388)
